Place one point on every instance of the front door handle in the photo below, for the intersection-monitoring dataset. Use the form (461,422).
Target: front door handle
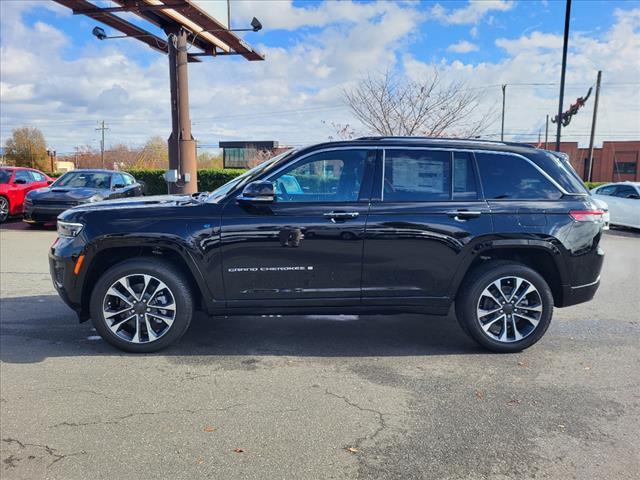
(462,215)
(340,216)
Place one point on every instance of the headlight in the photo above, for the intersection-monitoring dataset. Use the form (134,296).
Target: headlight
(69,229)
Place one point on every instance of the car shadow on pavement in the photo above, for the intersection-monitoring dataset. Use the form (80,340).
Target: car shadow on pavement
(16,223)
(35,328)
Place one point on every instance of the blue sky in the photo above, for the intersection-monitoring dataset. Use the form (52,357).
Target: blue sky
(57,76)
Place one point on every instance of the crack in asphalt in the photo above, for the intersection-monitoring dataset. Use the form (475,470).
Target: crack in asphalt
(12,460)
(117,420)
(380,417)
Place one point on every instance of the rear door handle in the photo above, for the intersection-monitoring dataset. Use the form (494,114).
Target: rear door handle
(335,216)
(462,215)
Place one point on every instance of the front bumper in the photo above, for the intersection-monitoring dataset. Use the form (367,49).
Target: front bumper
(42,213)
(63,256)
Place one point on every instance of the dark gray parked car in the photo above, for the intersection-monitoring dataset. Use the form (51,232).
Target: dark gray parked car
(75,188)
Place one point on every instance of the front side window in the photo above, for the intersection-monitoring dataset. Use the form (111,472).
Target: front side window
(606,190)
(334,176)
(128,179)
(416,175)
(23,175)
(508,177)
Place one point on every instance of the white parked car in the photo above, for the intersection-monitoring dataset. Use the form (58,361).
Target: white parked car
(623,200)
(606,217)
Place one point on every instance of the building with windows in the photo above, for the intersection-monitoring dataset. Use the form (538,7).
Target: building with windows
(245,154)
(613,162)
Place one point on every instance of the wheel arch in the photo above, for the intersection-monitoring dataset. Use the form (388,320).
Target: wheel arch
(108,255)
(541,256)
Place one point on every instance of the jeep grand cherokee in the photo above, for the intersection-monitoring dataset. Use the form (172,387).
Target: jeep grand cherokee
(503,232)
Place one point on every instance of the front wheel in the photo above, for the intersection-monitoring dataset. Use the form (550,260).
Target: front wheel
(141,306)
(505,307)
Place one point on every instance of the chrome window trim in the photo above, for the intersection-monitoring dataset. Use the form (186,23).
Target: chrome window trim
(384,163)
(399,147)
(475,150)
(306,155)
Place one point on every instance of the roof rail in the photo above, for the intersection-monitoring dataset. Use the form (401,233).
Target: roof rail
(436,139)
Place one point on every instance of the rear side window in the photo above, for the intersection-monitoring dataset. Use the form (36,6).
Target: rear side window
(507,177)
(623,191)
(416,175)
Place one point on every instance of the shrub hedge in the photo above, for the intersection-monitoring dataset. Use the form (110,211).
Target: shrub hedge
(208,180)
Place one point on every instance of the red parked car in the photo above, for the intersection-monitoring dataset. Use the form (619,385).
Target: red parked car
(15,182)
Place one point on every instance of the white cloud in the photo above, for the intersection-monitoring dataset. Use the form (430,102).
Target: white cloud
(472,13)
(536,58)
(286,98)
(474,31)
(463,47)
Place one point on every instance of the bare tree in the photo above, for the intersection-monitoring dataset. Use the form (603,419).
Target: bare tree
(389,104)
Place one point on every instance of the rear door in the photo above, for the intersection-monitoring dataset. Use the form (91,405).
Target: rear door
(426,208)
(627,204)
(306,247)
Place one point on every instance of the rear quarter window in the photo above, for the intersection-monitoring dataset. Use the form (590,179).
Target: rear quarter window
(509,177)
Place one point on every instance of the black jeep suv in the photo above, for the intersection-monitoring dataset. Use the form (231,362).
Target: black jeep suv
(503,231)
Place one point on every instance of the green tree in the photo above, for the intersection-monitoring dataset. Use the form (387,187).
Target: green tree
(27,148)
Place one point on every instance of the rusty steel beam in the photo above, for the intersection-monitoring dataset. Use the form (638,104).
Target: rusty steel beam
(167,23)
(131,6)
(204,20)
(122,25)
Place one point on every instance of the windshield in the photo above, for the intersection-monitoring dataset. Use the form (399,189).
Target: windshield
(84,180)
(5,175)
(247,177)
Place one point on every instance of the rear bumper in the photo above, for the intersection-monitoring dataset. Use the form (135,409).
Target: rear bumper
(580,294)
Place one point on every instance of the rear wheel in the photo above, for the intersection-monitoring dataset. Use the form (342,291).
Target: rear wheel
(141,305)
(505,307)
(4,209)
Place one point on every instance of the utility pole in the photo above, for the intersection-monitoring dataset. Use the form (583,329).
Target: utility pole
(546,134)
(504,94)
(589,171)
(102,128)
(182,146)
(567,19)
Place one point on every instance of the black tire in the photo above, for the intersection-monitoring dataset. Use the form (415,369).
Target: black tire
(5,209)
(469,296)
(161,270)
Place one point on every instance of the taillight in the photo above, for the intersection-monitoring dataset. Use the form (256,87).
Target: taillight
(586,215)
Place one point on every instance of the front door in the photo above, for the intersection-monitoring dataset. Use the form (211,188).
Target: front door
(426,209)
(307,245)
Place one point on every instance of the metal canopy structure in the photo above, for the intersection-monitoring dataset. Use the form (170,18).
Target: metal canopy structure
(184,23)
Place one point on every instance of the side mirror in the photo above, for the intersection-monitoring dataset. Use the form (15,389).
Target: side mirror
(19,181)
(258,192)
(633,195)
(118,185)
(49,182)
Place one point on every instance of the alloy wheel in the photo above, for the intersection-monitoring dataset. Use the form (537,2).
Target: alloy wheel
(139,308)
(509,309)
(4,209)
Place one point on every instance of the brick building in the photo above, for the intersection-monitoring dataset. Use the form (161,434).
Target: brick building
(613,162)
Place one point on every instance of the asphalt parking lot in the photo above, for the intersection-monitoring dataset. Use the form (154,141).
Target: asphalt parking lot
(339,397)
